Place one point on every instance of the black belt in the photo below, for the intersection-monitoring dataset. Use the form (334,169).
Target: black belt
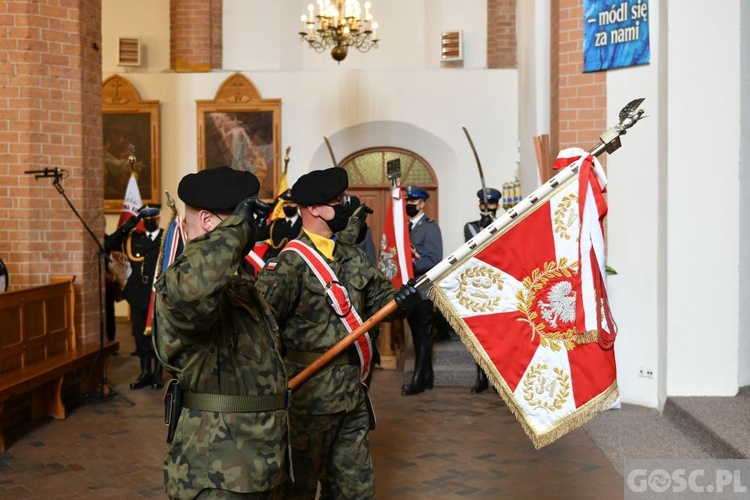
(348,357)
(236,404)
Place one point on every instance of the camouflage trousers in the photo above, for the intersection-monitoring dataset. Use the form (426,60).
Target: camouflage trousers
(210,494)
(334,449)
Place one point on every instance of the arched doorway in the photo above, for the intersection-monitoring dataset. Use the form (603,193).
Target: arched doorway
(368,179)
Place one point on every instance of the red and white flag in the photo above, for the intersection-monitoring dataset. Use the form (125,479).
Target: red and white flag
(131,203)
(255,256)
(395,247)
(531,305)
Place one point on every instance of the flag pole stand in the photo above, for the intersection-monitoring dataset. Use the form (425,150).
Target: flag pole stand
(103,391)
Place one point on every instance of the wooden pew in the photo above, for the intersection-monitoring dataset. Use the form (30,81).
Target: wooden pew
(39,348)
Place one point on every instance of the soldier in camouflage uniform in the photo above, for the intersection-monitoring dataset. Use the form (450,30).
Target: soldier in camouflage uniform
(329,417)
(214,332)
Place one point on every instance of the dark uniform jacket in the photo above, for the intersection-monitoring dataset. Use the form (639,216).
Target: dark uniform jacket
(428,241)
(308,324)
(217,334)
(143,254)
(280,232)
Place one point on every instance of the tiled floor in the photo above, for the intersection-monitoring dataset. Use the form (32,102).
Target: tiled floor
(444,443)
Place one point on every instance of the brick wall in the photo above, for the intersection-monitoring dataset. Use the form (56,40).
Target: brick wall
(501,34)
(50,116)
(195,34)
(578,100)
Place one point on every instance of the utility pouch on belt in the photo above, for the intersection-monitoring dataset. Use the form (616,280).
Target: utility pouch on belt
(172,407)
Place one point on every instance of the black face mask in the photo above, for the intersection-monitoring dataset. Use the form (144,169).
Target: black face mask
(491,213)
(290,211)
(340,217)
(151,225)
(411,210)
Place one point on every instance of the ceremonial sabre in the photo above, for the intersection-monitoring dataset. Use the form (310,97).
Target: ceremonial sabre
(479,166)
(609,141)
(330,150)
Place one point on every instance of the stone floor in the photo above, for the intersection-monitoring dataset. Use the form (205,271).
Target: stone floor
(444,443)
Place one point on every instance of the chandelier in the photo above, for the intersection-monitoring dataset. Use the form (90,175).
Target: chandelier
(339,24)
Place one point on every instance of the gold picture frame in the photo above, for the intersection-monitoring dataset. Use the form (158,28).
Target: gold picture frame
(130,129)
(240,129)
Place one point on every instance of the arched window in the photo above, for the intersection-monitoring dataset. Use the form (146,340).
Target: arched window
(368,179)
(368,168)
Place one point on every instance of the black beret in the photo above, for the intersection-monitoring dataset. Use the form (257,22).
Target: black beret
(320,186)
(220,188)
(492,194)
(416,192)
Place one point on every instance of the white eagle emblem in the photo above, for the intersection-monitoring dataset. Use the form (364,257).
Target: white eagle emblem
(561,304)
(387,261)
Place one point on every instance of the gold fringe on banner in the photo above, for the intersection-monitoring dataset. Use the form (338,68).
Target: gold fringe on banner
(538,438)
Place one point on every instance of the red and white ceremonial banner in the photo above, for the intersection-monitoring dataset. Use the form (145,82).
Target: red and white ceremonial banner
(530,303)
(131,203)
(395,260)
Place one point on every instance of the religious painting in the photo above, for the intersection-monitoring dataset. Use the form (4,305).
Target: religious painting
(130,144)
(241,130)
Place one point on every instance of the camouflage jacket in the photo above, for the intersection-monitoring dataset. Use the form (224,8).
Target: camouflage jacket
(218,336)
(309,324)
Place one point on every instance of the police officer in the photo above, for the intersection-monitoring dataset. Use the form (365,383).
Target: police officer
(142,249)
(488,204)
(214,332)
(427,251)
(315,286)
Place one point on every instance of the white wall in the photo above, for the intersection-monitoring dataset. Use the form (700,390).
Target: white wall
(676,299)
(634,222)
(744,327)
(533,30)
(703,264)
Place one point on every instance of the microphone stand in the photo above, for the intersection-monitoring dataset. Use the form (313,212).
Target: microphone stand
(99,393)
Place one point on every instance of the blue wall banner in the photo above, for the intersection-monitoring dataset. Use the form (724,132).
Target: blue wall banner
(615,34)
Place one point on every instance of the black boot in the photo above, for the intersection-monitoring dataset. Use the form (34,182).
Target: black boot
(145,377)
(482,384)
(157,382)
(420,370)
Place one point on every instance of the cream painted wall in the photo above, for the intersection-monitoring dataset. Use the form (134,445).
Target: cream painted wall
(398,93)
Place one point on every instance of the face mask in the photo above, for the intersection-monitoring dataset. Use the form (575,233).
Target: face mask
(290,211)
(340,217)
(151,225)
(491,213)
(411,210)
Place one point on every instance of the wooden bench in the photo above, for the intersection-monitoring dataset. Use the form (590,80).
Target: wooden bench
(39,348)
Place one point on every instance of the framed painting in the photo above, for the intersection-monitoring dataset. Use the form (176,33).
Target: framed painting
(131,143)
(240,129)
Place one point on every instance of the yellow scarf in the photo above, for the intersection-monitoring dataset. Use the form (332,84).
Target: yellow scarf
(323,244)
